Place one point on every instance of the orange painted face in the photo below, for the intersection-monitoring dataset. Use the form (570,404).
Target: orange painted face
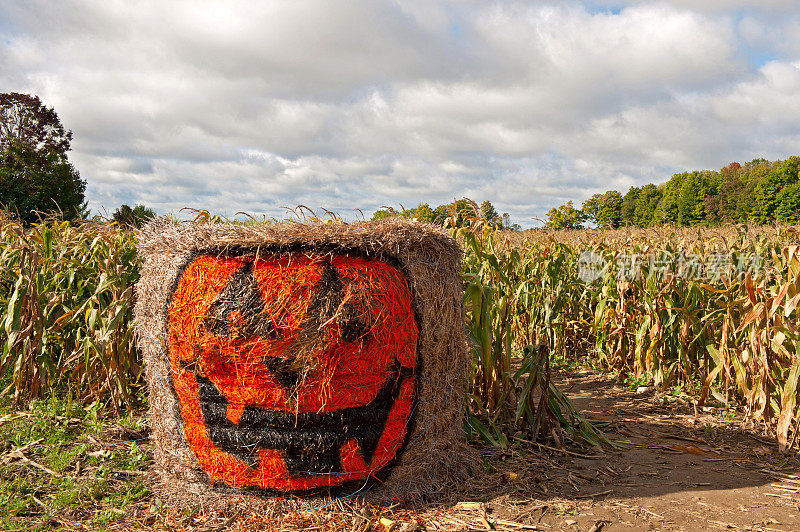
(293,373)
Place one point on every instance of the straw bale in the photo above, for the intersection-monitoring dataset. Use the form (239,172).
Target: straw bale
(435,456)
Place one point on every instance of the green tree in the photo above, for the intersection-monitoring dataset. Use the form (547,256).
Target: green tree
(694,189)
(439,214)
(752,174)
(565,217)
(757,162)
(609,212)
(591,208)
(646,204)
(667,210)
(788,209)
(462,209)
(421,212)
(489,213)
(36,177)
(604,210)
(33,187)
(133,218)
(760,191)
(766,198)
(424,213)
(768,192)
(628,209)
(381,214)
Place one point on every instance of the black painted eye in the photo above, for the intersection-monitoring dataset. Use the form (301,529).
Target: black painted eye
(352,325)
(354,330)
(240,304)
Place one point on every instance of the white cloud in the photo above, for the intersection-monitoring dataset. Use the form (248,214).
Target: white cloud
(249,106)
(639,48)
(707,6)
(771,99)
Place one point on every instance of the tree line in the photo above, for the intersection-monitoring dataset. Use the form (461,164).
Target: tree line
(759,192)
(460,211)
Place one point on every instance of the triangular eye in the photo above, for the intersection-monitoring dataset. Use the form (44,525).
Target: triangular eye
(352,324)
(328,297)
(242,297)
(329,302)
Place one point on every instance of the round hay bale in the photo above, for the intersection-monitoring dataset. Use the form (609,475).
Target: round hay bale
(295,360)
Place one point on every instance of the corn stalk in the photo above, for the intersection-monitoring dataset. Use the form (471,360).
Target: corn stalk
(67,296)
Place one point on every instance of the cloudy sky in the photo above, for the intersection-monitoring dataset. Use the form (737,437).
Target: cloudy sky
(250,106)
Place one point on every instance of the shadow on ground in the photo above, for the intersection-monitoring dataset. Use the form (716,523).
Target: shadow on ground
(683,469)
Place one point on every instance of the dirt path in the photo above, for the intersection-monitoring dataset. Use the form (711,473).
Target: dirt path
(682,471)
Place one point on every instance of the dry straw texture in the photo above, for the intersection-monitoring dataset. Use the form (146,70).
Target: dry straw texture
(435,456)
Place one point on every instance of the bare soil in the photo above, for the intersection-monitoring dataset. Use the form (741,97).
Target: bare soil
(685,468)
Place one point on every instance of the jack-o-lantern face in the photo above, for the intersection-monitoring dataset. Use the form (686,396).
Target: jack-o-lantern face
(293,372)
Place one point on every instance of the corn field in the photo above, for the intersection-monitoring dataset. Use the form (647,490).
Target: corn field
(716,310)
(66,294)
(713,309)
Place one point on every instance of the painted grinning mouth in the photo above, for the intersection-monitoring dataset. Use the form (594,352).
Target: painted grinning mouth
(310,442)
